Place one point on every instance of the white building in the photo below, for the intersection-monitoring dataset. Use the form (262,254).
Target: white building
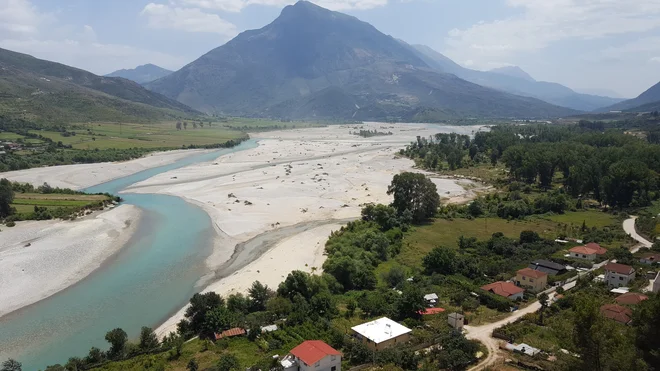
(618,275)
(312,355)
(381,333)
(431,299)
(456,320)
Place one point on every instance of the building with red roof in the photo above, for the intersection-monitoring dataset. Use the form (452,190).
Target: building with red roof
(631,298)
(589,251)
(531,279)
(617,313)
(650,258)
(313,355)
(506,289)
(618,275)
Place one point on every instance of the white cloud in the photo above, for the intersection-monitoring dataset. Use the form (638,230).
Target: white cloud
(24,28)
(543,22)
(162,16)
(238,5)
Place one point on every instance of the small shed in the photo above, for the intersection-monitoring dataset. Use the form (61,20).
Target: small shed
(456,320)
(431,299)
(236,331)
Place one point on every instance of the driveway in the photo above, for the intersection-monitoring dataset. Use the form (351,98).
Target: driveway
(629,228)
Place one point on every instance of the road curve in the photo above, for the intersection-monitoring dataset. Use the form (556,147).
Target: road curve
(629,228)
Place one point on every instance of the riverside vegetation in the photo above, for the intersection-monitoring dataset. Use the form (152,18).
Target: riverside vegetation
(22,201)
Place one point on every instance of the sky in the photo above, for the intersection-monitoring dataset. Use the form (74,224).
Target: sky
(602,46)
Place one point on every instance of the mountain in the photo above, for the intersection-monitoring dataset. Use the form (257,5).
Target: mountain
(600,92)
(314,63)
(643,103)
(48,91)
(142,74)
(513,71)
(516,81)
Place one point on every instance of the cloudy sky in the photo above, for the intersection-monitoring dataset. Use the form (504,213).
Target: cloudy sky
(601,45)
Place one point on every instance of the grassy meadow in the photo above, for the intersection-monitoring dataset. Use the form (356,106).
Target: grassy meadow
(25,202)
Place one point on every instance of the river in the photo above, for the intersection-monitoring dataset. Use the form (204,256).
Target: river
(148,280)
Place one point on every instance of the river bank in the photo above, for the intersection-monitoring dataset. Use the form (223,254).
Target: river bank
(41,258)
(86,175)
(293,177)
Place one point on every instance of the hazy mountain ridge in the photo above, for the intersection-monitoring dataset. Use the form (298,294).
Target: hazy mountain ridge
(314,63)
(514,80)
(49,91)
(141,74)
(647,101)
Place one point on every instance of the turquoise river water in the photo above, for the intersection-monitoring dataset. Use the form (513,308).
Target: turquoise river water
(152,277)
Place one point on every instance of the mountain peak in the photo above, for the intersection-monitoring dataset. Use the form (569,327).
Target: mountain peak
(513,71)
(142,74)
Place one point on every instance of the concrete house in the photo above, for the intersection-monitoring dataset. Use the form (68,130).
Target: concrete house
(505,289)
(534,281)
(381,333)
(456,321)
(312,355)
(618,275)
(546,266)
(590,251)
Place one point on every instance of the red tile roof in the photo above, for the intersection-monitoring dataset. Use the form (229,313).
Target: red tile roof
(617,313)
(236,331)
(619,268)
(429,311)
(528,272)
(631,298)
(312,351)
(505,289)
(589,249)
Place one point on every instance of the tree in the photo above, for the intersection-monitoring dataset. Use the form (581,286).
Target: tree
(192,365)
(95,356)
(6,198)
(11,365)
(543,300)
(178,125)
(259,295)
(117,339)
(279,306)
(395,276)
(238,303)
(529,237)
(216,320)
(414,192)
(148,339)
(200,304)
(228,362)
(185,125)
(646,321)
(297,282)
(194,125)
(411,302)
(440,260)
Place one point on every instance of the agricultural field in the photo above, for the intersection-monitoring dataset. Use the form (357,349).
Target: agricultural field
(24,203)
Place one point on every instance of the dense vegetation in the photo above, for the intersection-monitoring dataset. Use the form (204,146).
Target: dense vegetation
(45,202)
(371,133)
(616,169)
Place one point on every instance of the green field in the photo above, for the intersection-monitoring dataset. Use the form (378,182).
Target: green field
(591,218)
(9,136)
(443,232)
(25,202)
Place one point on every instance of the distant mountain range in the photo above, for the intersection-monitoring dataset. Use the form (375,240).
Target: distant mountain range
(312,63)
(645,102)
(47,91)
(514,80)
(142,74)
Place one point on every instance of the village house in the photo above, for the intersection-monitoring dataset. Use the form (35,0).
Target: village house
(236,331)
(650,258)
(616,313)
(631,298)
(313,355)
(456,321)
(534,281)
(551,268)
(505,289)
(618,275)
(590,251)
(381,333)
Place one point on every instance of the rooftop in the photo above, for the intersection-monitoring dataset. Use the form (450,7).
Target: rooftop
(236,331)
(548,264)
(631,298)
(381,330)
(589,249)
(528,272)
(431,297)
(501,288)
(619,268)
(616,312)
(430,311)
(312,351)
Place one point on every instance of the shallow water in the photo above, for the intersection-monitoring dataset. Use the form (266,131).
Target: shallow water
(152,277)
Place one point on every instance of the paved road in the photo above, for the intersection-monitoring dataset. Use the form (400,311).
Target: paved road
(629,228)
